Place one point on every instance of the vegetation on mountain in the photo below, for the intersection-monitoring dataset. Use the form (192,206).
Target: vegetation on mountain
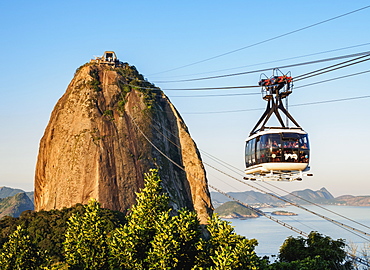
(234,209)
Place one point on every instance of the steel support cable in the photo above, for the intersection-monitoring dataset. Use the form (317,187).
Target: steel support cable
(239,87)
(317,205)
(237,170)
(349,255)
(267,40)
(221,163)
(274,61)
(315,71)
(260,212)
(333,69)
(333,79)
(267,69)
(272,218)
(168,139)
(294,105)
(218,95)
(294,204)
(182,168)
(195,89)
(297,78)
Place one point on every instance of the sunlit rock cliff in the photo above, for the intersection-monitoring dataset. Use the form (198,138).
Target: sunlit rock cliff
(105,132)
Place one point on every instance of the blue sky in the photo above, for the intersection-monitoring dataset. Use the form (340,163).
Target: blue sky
(44,42)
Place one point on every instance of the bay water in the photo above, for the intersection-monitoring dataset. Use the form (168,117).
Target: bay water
(271,235)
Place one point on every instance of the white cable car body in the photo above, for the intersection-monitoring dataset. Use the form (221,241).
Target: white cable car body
(277,153)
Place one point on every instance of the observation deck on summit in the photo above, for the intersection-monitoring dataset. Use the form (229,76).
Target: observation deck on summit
(108,58)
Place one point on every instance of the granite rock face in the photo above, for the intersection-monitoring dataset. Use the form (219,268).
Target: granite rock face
(108,129)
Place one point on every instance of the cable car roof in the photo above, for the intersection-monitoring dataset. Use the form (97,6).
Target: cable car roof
(276,130)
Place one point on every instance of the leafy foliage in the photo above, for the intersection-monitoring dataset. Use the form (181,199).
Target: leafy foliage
(152,236)
(85,246)
(227,250)
(47,228)
(19,252)
(315,252)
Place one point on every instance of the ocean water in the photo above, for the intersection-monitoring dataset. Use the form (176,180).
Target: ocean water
(271,235)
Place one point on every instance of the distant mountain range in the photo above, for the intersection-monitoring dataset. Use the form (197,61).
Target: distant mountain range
(322,196)
(14,201)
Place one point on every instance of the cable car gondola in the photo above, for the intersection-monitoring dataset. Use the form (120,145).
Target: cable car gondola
(276,153)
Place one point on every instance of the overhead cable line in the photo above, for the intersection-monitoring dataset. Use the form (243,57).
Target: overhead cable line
(317,205)
(266,40)
(349,228)
(294,105)
(238,171)
(182,168)
(267,69)
(332,68)
(219,95)
(260,212)
(273,61)
(295,204)
(333,79)
(195,89)
(304,76)
(274,219)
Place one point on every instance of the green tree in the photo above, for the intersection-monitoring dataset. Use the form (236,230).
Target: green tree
(85,245)
(155,238)
(19,252)
(225,249)
(130,243)
(174,244)
(317,250)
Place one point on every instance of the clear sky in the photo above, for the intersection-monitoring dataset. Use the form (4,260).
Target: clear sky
(44,42)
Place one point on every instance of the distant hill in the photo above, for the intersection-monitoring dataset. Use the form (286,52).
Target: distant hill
(15,205)
(233,209)
(9,192)
(353,200)
(322,196)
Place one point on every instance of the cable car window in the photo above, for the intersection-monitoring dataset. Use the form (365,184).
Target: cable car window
(253,152)
(247,153)
(250,152)
(274,141)
(303,141)
(261,149)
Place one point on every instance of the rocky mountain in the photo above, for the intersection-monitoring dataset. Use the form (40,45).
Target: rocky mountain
(15,205)
(108,129)
(234,209)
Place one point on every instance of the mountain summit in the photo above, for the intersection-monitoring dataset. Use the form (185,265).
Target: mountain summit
(108,129)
